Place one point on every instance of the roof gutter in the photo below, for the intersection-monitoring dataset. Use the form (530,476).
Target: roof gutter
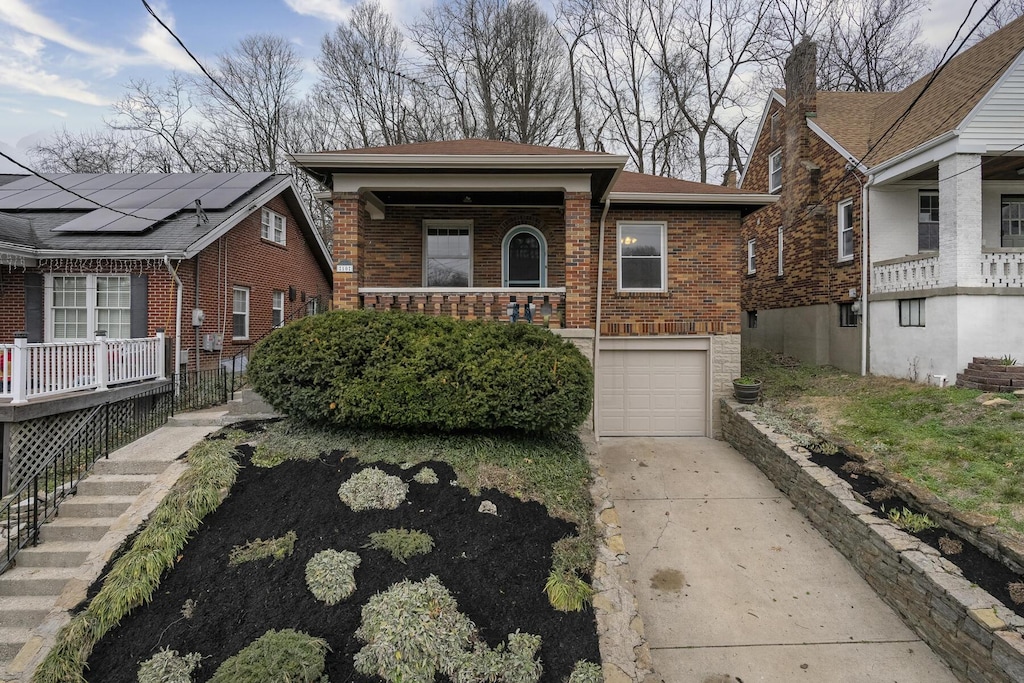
(431,162)
(690,198)
(924,146)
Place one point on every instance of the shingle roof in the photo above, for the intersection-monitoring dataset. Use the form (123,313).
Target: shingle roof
(468,147)
(641,182)
(849,116)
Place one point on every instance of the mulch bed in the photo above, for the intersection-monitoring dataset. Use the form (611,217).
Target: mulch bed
(977,567)
(495,566)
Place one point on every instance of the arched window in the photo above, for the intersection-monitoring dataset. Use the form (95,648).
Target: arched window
(524,258)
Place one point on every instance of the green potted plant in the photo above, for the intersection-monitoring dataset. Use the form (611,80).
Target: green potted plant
(746,389)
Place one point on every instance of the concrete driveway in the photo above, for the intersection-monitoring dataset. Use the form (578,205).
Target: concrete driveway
(732,581)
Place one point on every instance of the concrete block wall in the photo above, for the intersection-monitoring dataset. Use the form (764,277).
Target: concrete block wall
(978,637)
(725,367)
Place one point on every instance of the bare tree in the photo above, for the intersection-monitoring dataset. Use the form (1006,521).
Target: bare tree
(102,151)
(999,15)
(163,117)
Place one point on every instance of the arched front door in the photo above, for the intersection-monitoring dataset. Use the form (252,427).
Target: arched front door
(524,258)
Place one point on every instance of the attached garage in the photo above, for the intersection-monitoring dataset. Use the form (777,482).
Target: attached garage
(653,387)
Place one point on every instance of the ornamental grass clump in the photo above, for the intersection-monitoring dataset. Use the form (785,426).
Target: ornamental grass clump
(276,548)
(566,591)
(401,543)
(914,522)
(285,656)
(167,666)
(330,575)
(402,371)
(373,489)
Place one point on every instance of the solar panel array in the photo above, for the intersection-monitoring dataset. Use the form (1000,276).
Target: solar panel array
(148,197)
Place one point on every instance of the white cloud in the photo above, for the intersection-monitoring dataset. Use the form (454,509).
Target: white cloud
(160,48)
(58,112)
(334,11)
(18,14)
(29,46)
(30,78)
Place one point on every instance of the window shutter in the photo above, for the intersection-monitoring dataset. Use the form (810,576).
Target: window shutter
(140,306)
(34,306)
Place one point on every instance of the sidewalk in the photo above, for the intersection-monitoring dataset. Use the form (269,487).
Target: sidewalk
(733,582)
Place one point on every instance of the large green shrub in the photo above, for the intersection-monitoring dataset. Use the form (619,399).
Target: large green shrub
(285,656)
(410,371)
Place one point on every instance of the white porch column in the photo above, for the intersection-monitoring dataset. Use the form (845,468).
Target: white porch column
(960,221)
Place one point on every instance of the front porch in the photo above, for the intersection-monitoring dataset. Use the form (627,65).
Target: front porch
(540,306)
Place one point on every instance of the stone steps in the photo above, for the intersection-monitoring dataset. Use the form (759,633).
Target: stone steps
(25,611)
(38,581)
(12,639)
(75,529)
(55,554)
(95,506)
(114,484)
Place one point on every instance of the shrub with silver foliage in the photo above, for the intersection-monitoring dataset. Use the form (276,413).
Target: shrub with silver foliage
(586,672)
(330,575)
(515,663)
(373,489)
(425,476)
(167,666)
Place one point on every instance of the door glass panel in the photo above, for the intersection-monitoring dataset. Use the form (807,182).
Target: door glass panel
(524,261)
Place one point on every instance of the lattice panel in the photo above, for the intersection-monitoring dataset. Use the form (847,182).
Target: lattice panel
(33,441)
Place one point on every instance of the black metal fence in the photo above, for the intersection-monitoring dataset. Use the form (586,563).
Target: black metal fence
(201,389)
(108,427)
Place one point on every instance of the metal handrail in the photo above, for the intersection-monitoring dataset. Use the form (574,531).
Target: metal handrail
(236,359)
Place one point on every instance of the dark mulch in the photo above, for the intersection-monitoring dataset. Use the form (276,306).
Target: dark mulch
(977,567)
(495,566)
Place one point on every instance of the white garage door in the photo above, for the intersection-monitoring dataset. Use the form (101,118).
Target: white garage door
(652,392)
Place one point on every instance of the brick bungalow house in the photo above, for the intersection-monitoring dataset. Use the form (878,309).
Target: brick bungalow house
(216,278)
(641,272)
(914,197)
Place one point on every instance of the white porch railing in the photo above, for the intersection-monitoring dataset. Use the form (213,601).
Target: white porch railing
(1002,268)
(37,370)
(905,274)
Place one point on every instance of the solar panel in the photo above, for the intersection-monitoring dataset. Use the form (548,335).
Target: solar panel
(19,200)
(107,220)
(222,197)
(138,181)
(177,199)
(246,180)
(102,181)
(88,222)
(138,199)
(102,197)
(175,181)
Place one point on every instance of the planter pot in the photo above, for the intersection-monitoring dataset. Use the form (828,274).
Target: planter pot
(746,393)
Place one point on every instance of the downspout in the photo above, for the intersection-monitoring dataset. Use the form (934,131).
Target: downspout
(865,263)
(177,317)
(597,314)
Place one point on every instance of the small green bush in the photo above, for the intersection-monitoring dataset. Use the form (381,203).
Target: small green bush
(285,656)
(330,575)
(405,371)
(913,522)
(425,476)
(515,663)
(373,489)
(167,666)
(401,543)
(586,672)
(277,548)
(567,592)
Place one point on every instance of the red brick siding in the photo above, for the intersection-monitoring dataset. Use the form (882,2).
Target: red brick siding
(579,260)
(12,303)
(704,260)
(807,211)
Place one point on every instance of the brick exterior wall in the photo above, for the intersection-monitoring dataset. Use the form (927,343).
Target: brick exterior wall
(240,258)
(704,261)
(813,185)
(579,260)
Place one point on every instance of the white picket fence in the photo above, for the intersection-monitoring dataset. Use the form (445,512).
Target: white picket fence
(30,371)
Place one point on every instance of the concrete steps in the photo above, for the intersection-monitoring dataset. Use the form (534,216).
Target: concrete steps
(24,611)
(114,484)
(12,639)
(95,506)
(38,581)
(76,529)
(55,554)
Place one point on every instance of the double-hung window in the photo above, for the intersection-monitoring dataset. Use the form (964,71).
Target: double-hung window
(272,227)
(928,220)
(775,171)
(240,313)
(78,305)
(780,252)
(845,230)
(911,312)
(277,309)
(642,257)
(1012,223)
(751,257)
(449,254)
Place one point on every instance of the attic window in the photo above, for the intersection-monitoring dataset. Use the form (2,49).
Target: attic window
(272,226)
(775,171)
(775,127)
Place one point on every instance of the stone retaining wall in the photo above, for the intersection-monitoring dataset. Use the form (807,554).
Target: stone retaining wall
(978,637)
(989,374)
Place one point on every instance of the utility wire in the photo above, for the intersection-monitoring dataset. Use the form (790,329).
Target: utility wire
(69,191)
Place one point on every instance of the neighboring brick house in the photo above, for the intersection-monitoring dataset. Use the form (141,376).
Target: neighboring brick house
(248,260)
(937,171)
(493,230)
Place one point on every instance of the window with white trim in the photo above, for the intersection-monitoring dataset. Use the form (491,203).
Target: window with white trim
(751,260)
(1012,221)
(928,220)
(911,312)
(78,305)
(272,227)
(775,171)
(780,251)
(240,313)
(641,255)
(277,309)
(845,230)
(448,254)
(774,131)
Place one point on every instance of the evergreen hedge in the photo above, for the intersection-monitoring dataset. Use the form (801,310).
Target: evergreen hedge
(395,370)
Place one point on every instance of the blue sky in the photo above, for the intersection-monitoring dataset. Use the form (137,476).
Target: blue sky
(63,62)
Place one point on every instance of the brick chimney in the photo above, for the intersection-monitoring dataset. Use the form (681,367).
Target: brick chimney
(730,178)
(800,175)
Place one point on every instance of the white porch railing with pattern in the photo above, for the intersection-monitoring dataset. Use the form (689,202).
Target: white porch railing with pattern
(905,274)
(1002,269)
(49,369)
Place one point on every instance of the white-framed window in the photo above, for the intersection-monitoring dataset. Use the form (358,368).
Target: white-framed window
(751,257)
(642,258)
(524,258)
(277,309)
(911,312)
(775,171)
(845,230)
(447,253)
(928,220)
(774,131)
(78,305)
(1012,221)
(780,251)
(272,226)
(240,313)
